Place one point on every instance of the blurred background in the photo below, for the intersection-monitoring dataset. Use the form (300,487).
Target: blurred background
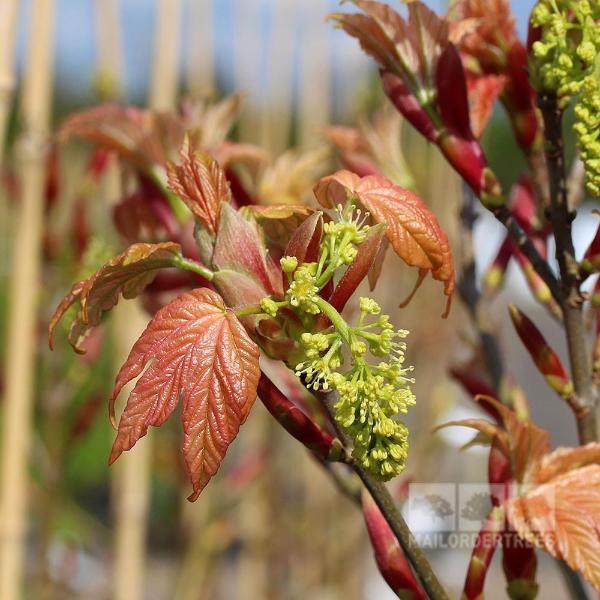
(271,525)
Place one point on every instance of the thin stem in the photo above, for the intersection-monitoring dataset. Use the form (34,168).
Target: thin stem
(573,581)
(257,309)
(525,245)
(392,515)
(334,316)
(195,267)
(570,297)
(471,295)
(179,209)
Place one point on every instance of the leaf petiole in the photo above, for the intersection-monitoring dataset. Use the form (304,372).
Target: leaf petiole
(191,265)
(257,309)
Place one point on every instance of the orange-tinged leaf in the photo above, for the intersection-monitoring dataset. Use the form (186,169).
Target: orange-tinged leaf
(528,443)
(483,92)
(278,221)
(126,274)
(563,460)
(562,517)
(195,349)
(201,183)
(412,229)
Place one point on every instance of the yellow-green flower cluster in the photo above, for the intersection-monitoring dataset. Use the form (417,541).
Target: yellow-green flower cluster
(587,127)
(568,64)
(569,44)
(371,396)
(303,291)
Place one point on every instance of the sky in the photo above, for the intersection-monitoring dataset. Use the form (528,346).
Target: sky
(75,41)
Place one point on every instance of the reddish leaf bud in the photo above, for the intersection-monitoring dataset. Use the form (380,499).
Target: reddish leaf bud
(544,358)
(299,425)
(483,551)
(389,556)
(494,276)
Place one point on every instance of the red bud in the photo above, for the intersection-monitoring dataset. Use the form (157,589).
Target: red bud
(297,423)
(487,539)
(494,276)
(390,558)
(545,359)
(403,99)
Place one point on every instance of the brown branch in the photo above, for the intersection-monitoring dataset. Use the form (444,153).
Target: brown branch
(416,557)
(570,297)
(470,294)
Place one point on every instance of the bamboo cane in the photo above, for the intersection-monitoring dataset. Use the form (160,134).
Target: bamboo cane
(164,84)
(8,25)
(132,478)
(247,63)
(110,48)
(130,487)
(20,364)
(276,109)
(314,106)
(200,66)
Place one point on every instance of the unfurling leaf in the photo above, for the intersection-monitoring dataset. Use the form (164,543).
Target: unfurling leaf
(279,221)
(562,517)
(522,443)
(389,556)
(545,359)
(412,229)
(305,241)
(483,93)
(194,349)
(240,253)
(126,274)
(201,183)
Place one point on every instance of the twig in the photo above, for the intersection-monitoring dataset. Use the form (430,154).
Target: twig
(471,295)
(392,515)
(525,245)
(570,297)
(21,340)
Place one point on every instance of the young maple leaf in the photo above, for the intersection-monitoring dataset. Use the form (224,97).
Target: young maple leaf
(201,183)
(193,349)
(126,274)
(412,229)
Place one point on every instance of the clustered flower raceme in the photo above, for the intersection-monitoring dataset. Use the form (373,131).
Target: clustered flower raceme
(568,55)
(371,395)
